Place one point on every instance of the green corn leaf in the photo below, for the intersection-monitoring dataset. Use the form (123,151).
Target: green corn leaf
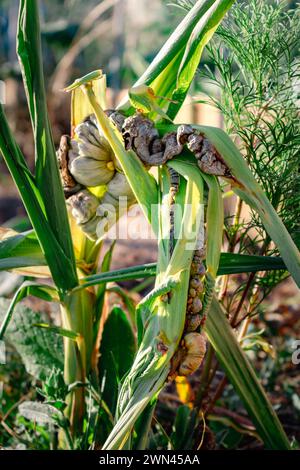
(142,427)
(242,376)
(182,436)
(251,192)
(162,72)
(58,331)
(47,173)
(125,274)
(200,36)
(41,291)
(230,263)
(19,250)
(59,264)
(105,266)
(18,223)
(215,223)
(234,263)
(164,320)
(118,347)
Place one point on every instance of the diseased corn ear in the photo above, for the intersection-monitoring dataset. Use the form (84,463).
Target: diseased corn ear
(91,172)
(83,206)
(195,349)
(119,186)
(93,165)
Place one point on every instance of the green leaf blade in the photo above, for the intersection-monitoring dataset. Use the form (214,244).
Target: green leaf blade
(47,173)
(244,379)
(118,347)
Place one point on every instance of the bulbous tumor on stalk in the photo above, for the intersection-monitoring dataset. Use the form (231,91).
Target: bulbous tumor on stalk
(194,349)
(83,206)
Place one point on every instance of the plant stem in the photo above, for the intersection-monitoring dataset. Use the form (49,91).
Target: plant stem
(204,377)
(77,315)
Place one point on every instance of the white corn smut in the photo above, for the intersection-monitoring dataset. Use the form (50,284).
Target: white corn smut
(87,161)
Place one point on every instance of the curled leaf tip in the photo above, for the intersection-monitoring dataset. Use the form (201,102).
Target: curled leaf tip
(86,79)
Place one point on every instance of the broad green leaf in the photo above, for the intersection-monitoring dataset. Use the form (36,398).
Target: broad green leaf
(47,174)
(37,412)
(39,351)
(242,376)
(41,291)
(117,352)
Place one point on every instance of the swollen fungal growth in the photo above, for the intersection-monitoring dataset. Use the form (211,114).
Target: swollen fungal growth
(189,356)
(194,315)
(208,158)
(194,349)
(64,153)
(87,161)
(93,166)
(140,135)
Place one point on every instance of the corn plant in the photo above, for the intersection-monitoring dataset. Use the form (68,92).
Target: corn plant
(109,154)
